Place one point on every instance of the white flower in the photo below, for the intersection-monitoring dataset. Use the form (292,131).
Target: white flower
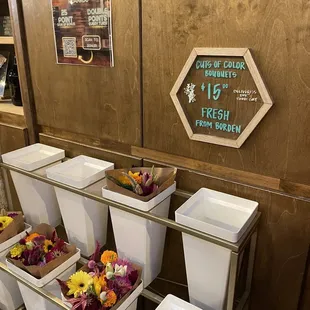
(109,271)
(109,275)
(29,245)
(120,270)
(103,296)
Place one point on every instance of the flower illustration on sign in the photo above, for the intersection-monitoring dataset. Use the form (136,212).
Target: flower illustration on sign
(189,91)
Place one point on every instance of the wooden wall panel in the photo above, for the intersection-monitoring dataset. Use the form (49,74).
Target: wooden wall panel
(282,248)
(277,34)
(12,138)
(99,102)
(74,149)
(97,112)
(305,295)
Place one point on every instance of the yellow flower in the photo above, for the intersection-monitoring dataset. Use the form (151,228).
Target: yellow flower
(124,180)
(99,284)
(136,176)
(79,283)
(5,221)
(48,245)
(108,257)
(17,250)
(31,237)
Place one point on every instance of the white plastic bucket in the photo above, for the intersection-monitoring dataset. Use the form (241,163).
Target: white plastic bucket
(137,239)
(207,265)
(37,199)
(34,301)
(85,220)
(10,296)
(171,302)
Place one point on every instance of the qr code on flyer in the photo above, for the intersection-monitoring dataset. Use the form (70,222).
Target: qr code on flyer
(69,46)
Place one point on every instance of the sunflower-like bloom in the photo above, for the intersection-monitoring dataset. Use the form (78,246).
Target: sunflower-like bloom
(17,251)
(108,257)
(5,221)
(48,245)
(31,237)
(99,284)
(79,283)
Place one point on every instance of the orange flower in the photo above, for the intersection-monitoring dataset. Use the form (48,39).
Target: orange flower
(108,257)
(111,299)
(136,176)
(31,237)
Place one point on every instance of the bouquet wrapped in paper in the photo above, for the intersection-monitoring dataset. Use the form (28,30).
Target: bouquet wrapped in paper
(140,183)
(41,251)
(103,284)
(11,224)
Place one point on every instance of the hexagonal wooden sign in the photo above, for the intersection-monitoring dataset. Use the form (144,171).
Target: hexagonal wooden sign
(220,96)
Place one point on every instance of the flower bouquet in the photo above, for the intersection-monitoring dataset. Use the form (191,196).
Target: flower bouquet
(11,224)
(40,252)
(140,183)
(103,284)
(12,228)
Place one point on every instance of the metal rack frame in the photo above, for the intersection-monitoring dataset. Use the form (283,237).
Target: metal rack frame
(94,192)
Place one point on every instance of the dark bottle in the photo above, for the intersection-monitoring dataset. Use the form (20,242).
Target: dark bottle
(14,85)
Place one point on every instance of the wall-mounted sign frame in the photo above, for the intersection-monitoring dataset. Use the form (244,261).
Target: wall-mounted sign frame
(220,96)
(83,32)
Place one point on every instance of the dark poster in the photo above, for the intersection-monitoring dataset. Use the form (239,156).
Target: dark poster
(83,32)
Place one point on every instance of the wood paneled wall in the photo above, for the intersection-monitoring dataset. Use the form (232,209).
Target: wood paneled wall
(120,115)
(11,138)
(98,102)
(278,35)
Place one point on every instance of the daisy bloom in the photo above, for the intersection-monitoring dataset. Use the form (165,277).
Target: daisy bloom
(31,237)
(5,221)
(17,250)
(48,245)
(79,283)
(108,257)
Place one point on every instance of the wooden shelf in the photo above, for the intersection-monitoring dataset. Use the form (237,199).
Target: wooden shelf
(6,40)
(8,107)
(12,115)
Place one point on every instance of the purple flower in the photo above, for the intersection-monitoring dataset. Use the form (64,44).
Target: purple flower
(147,190)
(39,240)
(96,256)
(41,264)
(22,241)
(120,286)
(133,277)
(32,257)
(54,237)
(85,302)
(12,215)
(91,264)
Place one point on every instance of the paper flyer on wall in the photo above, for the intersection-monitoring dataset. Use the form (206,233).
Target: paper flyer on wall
(83,32)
